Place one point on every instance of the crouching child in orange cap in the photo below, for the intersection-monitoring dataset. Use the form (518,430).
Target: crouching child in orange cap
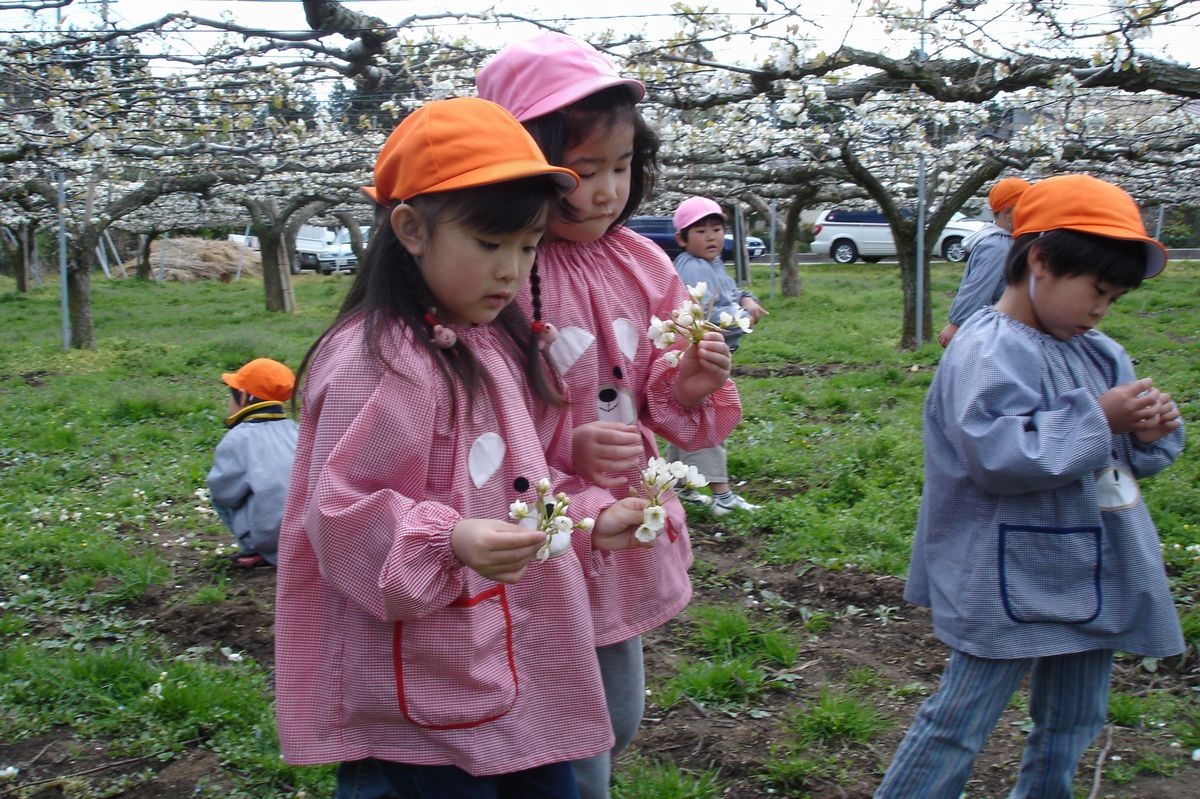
(428,641)
(248,482)
(1034,549)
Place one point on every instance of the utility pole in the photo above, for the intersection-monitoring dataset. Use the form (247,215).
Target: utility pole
(920,320)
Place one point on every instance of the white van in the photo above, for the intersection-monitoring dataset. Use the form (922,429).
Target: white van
(845,235)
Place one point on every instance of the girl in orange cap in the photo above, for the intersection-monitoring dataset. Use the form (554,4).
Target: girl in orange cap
(419,644)
(1034,549)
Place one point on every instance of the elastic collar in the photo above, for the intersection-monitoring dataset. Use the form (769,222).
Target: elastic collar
(269,411)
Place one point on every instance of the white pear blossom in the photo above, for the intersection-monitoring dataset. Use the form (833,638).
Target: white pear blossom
(659,479)
(689,322)
(551,518)
(655,517)
(645,534)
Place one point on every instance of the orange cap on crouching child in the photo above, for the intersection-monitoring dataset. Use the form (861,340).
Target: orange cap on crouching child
(1089,205)
(455,144)
(263,378)
(1005,193)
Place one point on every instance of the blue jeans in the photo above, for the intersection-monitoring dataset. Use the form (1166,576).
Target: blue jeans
(1068,701)
(383,779)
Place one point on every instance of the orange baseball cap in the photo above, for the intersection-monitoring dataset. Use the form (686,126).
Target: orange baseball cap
(1089,205)
(1005,193)
(456,144)
(263,378)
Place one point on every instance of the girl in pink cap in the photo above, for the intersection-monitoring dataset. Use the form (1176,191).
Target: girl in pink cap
(426,640)
(601,284)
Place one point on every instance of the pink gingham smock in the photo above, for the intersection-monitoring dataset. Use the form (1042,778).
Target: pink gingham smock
(601,295)
(386,645)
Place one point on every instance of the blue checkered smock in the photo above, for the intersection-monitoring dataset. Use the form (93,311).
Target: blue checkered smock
(1013,554)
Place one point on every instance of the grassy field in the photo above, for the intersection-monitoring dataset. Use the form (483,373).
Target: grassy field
(103,455)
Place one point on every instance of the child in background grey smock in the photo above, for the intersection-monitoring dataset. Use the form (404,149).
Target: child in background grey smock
(1034,549)
(700,229)
(252,466)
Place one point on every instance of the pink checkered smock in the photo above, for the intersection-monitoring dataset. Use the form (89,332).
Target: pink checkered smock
(386,645)
(601,295)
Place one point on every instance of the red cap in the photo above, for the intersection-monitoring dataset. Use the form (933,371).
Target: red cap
(1089,205)
(1005,193)
(263,378)
(455,144)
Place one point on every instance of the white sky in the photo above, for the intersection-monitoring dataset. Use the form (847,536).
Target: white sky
(829,22)
(653,16)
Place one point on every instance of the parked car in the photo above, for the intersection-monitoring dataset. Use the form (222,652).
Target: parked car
(337,258)
(661,231)
(845,235)
(754,247)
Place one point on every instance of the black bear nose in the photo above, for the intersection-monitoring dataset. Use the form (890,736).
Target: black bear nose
(608,394)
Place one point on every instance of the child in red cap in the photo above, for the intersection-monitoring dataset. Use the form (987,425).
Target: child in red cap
(248,482)
(1034,549)
(603,283)
(423,642)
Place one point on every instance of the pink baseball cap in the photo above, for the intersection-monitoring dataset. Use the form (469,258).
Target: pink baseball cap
(546,73)
(692,210)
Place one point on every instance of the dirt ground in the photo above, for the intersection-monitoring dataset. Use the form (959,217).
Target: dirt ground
(888,637)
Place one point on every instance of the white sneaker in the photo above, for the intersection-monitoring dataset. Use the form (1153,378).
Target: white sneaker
(692,495)
(737,503)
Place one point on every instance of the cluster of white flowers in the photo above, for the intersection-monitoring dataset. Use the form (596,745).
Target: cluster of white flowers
(690,322)
(551,518)
(156,690)
(659,479)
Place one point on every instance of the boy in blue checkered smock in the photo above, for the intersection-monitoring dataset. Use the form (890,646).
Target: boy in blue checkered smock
(1034,549)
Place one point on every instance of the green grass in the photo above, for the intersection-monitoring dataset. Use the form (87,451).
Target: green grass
(837,716)
(643,779)
(102,453)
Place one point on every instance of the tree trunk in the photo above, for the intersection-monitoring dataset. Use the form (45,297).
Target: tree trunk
(270,241)
(24,253)
(79,291)
(906,253)
(786,235)
(143,262)
(789,269)
(351,224)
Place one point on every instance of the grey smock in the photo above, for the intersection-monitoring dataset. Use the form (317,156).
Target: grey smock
(251,470)
(1013,553)
(723,293)
(983,277)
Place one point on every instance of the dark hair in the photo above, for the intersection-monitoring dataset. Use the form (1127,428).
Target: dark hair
(603,111)
(1072,252)
(389,288)
(707,220)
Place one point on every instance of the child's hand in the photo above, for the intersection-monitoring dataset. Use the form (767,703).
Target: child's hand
(497,550)
(947,333)
(703,369)
(755,310)
(1129,405)
(601,451)
(1166,419)
(617,523)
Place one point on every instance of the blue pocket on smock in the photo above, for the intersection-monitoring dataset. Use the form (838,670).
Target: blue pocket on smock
(1050,574)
